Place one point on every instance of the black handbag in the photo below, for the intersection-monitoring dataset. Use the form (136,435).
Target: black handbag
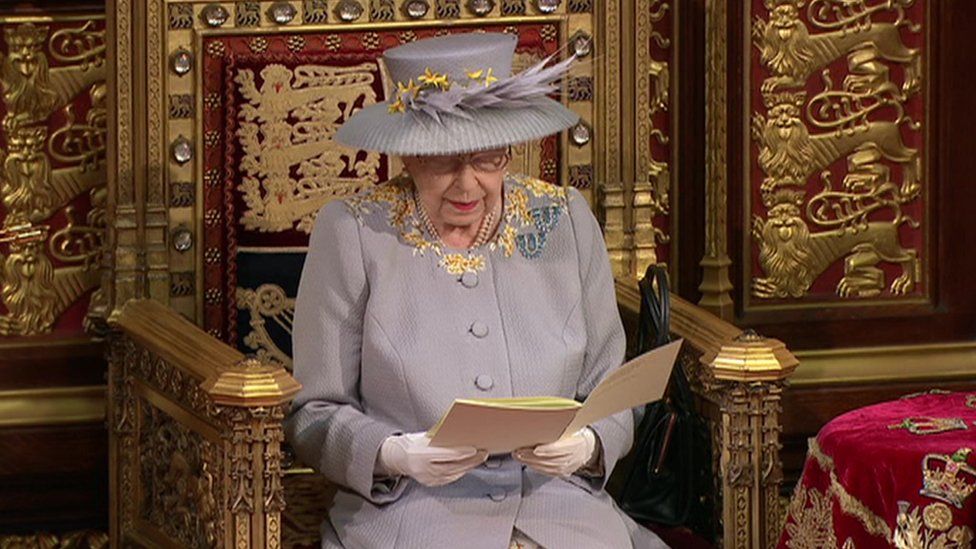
(670,482)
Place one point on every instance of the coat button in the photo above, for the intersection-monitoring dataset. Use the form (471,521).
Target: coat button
(469,279)
(493,463)
(484,382)
(497,494)
(479,329)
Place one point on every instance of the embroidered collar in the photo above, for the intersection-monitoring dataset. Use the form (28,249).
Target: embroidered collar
(532,208)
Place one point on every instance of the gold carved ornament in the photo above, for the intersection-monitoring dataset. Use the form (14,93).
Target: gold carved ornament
(34,292)
(178,480)
(84,539)
(652,187)
(791,254)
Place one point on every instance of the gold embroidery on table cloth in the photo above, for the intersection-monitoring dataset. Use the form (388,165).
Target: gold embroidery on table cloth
(930,425)
(518,223)
(813,523)
(937,516)
(849,504)
(923,532)
(948,478)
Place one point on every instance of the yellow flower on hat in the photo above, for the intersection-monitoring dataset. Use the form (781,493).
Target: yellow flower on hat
(476,75)
(431,78)
(397,106)
(410,89)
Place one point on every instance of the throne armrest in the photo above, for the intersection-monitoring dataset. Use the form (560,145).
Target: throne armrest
(194,435)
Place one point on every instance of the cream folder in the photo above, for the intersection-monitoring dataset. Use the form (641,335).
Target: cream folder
(500,425)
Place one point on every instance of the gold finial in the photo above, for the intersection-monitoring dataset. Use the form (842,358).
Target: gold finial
(250,382)
(751,357)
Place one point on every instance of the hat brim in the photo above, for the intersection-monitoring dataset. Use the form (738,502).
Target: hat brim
(411,133)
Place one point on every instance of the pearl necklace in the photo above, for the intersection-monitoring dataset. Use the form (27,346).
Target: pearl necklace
(484,230)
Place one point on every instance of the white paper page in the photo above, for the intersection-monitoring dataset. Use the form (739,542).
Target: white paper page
(639,381)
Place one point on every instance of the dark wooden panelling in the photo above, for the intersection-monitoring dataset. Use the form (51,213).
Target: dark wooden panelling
(53,479)
(49,361)
(690,148)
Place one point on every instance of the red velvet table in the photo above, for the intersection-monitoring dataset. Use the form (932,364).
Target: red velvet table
(897,474)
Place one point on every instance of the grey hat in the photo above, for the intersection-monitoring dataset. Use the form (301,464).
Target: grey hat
(456,94)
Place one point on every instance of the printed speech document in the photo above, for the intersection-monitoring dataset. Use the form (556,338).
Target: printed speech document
(501,425)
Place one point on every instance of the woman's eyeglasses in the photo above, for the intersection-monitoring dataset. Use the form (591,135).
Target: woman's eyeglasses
(484,162)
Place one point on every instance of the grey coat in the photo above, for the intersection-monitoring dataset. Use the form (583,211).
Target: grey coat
(390,328)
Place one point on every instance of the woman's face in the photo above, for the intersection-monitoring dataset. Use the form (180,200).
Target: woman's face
(458,190)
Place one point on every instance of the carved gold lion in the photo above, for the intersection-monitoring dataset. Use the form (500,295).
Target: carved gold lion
(788,150)
(792,54)
(793,258)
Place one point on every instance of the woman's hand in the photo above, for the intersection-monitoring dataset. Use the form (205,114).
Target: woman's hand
(411,455)
(562,457)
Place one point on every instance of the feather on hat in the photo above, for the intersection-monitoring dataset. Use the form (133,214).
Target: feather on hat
(455,94)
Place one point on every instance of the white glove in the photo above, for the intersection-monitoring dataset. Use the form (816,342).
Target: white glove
(410,455)
(562,457)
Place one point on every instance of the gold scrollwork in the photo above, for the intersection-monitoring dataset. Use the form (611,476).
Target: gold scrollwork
(267,303)
(82,243)
(82,143)
(316,96)
(83,46)
(854,125)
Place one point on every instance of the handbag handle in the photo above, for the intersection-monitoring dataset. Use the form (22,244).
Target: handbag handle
(655,312)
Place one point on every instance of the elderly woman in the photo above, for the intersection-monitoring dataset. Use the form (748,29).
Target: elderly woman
(457,280)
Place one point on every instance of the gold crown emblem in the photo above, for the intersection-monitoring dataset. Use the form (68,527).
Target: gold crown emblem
(776,99)
(25,35)
(948,478)
(931,425)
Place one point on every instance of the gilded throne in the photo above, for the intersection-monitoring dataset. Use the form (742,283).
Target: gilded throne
(222,154)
